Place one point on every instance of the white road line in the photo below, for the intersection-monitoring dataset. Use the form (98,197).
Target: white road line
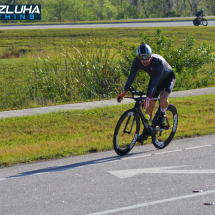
(122,174)
(153,203)
(2,179)
(197,147)
(160,153)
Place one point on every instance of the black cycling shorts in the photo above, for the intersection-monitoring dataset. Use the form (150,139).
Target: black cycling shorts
(167,85)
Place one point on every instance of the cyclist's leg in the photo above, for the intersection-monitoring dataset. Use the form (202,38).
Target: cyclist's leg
(164,103)
(152,104)
(164,99)
(148,111)
(150,108)
(166,89)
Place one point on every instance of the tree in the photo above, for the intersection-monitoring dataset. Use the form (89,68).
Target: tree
(193,7)
(183,7)
(211,6)
(146,7)
(136,3)
(56,10)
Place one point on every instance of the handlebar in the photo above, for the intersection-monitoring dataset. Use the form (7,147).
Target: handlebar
(134,92)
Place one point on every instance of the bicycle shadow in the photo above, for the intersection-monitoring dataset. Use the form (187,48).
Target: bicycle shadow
(77,165)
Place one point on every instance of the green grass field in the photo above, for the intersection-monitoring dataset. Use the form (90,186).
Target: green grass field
(20,49)
(34,42)
(70,133)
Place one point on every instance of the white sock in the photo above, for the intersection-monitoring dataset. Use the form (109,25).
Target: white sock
(163,110)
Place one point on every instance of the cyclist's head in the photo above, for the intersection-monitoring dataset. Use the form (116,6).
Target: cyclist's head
(144,52)
(202,10)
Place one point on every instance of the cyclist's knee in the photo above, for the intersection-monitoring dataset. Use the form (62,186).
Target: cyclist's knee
(164,99)
(164,103)
(164,95)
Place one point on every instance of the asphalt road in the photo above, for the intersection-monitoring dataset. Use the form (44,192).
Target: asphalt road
(179,179)
(109,25)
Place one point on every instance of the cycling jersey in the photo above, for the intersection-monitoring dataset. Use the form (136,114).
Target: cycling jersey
(200,13)
(158,70)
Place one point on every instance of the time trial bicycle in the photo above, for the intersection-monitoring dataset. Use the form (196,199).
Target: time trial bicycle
(127,130)
(202,21)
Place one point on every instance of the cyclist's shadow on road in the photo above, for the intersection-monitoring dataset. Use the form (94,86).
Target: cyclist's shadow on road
(77,165)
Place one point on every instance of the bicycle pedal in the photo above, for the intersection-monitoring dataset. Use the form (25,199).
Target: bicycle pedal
(140,141)
(142,137)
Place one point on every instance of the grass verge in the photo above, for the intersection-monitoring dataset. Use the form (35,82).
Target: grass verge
(70,133)
(20,50)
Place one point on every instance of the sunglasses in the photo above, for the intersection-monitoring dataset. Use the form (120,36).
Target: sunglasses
(142,57)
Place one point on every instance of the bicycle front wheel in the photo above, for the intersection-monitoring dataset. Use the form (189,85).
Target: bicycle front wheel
(204,22)
(126,132)
(164,134)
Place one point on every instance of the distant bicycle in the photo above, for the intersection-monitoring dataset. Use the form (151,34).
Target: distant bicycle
(128,127)
(203,22)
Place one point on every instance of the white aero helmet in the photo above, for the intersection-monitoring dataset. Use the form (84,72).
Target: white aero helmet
(144,52)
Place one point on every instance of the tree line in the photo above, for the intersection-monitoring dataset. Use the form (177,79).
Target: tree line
(96,10)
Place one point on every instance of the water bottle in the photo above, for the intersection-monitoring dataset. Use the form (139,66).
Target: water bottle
(147,117)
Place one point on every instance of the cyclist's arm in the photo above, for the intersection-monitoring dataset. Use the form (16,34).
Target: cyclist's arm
(131,77)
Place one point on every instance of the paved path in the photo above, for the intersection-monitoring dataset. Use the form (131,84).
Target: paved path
(163,22)
(87,105)
(109,25)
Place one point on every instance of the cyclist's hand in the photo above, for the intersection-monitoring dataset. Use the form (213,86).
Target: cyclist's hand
(145,104)
(121,96)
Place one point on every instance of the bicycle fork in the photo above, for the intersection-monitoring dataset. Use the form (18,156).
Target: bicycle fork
(128,120)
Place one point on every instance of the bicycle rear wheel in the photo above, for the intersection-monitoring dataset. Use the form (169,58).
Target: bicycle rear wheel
(196,22)
(164,134)
(126,132)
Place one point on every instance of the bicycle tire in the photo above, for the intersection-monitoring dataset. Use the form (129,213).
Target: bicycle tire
(125,139)
(196,22)
(204,22)
(171,120)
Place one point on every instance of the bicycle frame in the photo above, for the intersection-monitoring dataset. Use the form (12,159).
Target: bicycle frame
(137,109)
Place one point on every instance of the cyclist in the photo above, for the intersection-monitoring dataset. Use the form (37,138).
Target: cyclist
(162,80)
(199,14)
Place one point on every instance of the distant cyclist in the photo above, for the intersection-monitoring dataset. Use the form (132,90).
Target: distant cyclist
(199,14)
(162,80)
